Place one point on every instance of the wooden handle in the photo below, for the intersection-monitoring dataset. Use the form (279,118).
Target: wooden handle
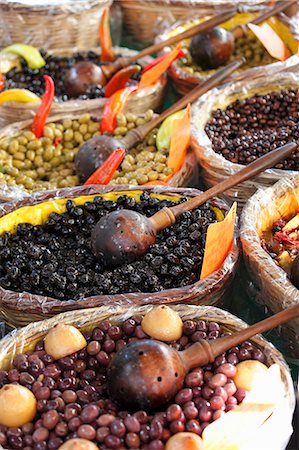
(138,134)
(239,30)
(161,218)
(205,352)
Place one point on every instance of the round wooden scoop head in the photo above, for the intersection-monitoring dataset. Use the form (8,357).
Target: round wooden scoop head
(148,373)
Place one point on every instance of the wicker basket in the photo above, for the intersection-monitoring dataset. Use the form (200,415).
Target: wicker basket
(21,308)
(148,98)
(186,176)
(215,167)
(274,288)
(25,339)
(51,23)
(184,82)
(145,19)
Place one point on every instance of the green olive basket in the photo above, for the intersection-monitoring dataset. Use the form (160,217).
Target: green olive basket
(215,168)
(274,288)
(143,19)
(139,102)
(186,176)
(52,23)
(184,81)
(25,339)
(18,309)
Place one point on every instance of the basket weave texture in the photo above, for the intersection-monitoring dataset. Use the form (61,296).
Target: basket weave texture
(215,167)
(275,289)
(145,19)
(19,309)
(139,102)
(22,340)
(51,23)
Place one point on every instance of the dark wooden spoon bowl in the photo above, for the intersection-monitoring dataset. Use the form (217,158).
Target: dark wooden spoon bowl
(148,373)
(123,236)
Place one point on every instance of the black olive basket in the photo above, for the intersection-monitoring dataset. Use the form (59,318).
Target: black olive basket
(20,308)
(274,287)
(25,339)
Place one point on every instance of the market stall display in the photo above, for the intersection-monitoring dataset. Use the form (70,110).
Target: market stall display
(240,121)
(208,393)
(59,224)
(275,289)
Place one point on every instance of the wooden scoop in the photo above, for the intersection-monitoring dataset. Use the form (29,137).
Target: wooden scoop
(214,47)
(95,151)
(123,236)
(85,74)
(148,373)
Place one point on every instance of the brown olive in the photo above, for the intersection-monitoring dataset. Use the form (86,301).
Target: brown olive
(295,272)
(213,48)
(82,76)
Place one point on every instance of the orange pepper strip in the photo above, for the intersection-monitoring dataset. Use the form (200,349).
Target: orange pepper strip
(271,41)
(152,75)
(120,79)
(155,183)
(104,173)
(107,53)
(114,106)
(179,141)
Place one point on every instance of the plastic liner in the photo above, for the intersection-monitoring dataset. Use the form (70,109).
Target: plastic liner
(139,102)
(21,308)
(286,27)
(274,288)
(215,167)
(274,434)
(186,176)
(51,23)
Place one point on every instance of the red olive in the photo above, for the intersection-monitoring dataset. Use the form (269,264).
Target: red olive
(81,77)
(213,48)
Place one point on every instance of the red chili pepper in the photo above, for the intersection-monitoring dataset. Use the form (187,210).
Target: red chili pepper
(107,53)
(281,236)
(2,81)
(43,110)
(120,79)
(161,58)
(114,106)
(105,172)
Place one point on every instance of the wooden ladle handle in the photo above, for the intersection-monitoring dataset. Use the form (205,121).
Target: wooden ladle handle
(239,30)
(138,134)
(205,351)
(121,62)
(167,216)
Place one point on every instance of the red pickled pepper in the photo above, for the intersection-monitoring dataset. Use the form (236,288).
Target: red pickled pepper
(114,106)
(120,79)
(107,53)
(160,59)
(104,174)
(43,110)
(2,81)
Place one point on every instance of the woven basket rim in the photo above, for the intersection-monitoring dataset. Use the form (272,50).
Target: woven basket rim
(251,239)
(45,304)
(17,338)
(62,7)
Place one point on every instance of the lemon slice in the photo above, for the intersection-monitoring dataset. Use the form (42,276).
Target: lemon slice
(31,55)
(164,132)
(18,95)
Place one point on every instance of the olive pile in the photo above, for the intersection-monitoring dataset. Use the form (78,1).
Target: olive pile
(250,128)
(247,47)
(71,399)
(47,163)
(55,259)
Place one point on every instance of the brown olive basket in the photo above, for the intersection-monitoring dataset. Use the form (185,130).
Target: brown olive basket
(22,340)
(144,19)
(215,167)
(51,23)
(186,176)
(275,290)
(19,309)
(139,102)
(184,82)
